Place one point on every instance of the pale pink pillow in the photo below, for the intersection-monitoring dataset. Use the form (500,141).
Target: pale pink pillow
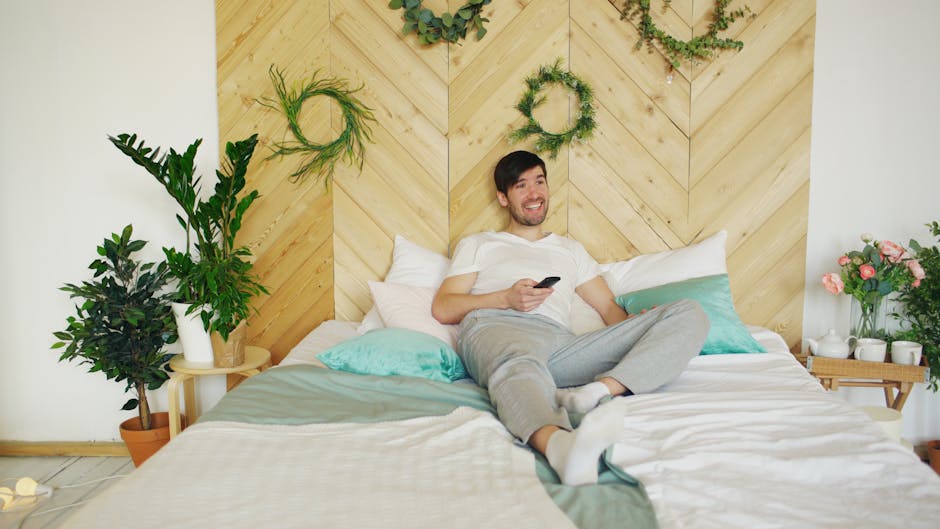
(412,264)
(409,307)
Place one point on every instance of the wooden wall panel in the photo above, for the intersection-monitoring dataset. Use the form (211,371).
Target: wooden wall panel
(403,185)
(749,166)
(484,88)
(289,229)
(677,155)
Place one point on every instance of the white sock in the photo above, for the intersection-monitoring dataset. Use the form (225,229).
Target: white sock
(574,455)
(581,399)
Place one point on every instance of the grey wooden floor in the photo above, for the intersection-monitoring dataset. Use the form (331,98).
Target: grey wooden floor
(67,476)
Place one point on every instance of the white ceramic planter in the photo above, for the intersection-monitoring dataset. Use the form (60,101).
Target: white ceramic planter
(197,347)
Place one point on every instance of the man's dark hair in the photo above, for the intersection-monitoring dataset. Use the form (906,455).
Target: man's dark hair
(512,165)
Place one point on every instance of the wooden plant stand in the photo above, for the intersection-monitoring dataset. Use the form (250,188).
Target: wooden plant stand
(256,360)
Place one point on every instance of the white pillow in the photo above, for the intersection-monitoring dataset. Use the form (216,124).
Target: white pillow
(704,258)
(412,265)
(409,307)
(584,318)
(416,266)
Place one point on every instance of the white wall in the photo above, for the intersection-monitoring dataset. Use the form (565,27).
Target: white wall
(875,155)
(76,71)
(72,73)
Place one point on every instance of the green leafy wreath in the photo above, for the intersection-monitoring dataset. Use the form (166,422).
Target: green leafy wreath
(700,47)
(549,141)
(450,27)
(320,159)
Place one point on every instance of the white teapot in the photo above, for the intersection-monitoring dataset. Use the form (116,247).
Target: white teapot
(831,345)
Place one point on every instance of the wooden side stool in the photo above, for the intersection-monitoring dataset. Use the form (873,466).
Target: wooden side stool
(256,359)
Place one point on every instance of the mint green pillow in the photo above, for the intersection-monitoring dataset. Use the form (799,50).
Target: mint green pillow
(391,351)
(727,334)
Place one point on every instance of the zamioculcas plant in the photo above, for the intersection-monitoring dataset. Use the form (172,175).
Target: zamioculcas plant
(213,273)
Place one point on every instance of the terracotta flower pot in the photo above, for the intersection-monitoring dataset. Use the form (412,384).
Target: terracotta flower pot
(144,443)
(933,453)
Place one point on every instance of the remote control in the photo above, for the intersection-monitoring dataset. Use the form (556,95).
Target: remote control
(547,282)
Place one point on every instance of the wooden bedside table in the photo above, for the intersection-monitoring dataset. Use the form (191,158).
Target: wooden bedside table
(835,372)
(256,359)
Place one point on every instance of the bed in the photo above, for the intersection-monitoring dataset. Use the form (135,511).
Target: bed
(348,432)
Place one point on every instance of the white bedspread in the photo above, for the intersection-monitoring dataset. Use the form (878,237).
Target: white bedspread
(736,442)
(459,470)
(753,441)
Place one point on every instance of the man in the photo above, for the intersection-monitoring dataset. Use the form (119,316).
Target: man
(515,339)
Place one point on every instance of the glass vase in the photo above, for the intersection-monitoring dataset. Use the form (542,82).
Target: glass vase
(868,319)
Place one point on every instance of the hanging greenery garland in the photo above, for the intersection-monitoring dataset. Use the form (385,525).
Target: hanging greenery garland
(549,141)
(320,159)
(450,27)
(700,47)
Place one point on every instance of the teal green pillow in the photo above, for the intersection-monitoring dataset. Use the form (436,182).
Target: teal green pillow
(393,351)
(727,334)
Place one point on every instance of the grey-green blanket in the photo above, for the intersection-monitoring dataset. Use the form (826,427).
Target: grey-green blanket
(306,394)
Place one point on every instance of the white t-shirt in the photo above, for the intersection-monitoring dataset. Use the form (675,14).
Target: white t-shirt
(500,259)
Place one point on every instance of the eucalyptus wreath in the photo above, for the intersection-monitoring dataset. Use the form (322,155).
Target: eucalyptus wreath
(320,159)
(700,47)
(450,27)
(550,141)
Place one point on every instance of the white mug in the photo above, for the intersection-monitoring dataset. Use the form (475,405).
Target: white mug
(871,349)
(907,353)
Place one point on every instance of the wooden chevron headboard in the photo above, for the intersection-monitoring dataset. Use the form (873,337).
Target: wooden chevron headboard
(724,145)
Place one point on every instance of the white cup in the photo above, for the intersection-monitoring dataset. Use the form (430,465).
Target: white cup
(907,353)
(871,349)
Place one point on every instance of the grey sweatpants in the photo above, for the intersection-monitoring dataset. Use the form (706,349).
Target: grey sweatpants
(522,358)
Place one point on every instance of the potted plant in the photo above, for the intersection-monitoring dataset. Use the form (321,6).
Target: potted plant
(920,318)
(213,275)
(122,322)
(920,306)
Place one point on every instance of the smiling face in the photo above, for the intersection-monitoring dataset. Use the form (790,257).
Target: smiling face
(527,199)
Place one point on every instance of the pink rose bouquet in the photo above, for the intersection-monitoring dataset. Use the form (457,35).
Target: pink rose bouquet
(869,275)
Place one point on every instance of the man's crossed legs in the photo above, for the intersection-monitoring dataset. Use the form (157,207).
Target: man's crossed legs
(522,359)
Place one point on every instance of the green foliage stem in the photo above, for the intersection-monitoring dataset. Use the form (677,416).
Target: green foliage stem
(701,47)
(450,27)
